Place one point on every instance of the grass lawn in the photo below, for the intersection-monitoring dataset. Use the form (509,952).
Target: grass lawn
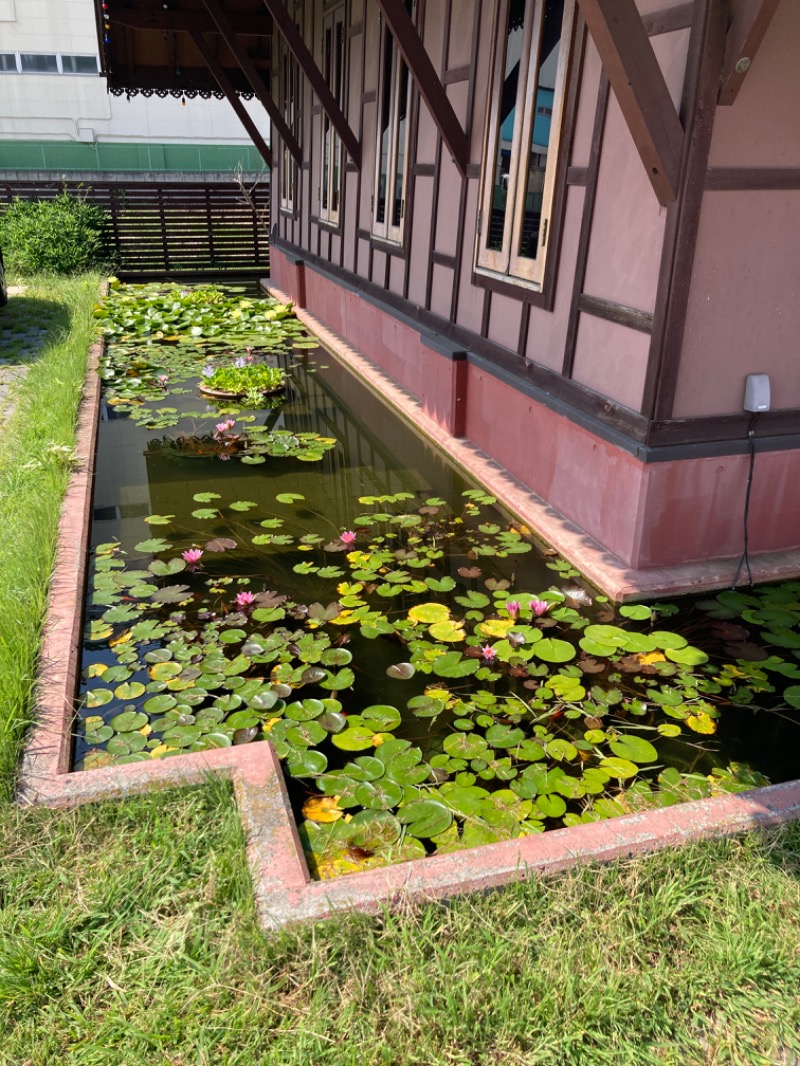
(127,931)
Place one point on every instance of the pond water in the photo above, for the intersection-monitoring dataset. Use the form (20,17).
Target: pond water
(430,677)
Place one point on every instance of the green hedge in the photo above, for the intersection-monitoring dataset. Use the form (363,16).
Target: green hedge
(66,235)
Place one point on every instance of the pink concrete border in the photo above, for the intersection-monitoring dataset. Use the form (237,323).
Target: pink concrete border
(284,891)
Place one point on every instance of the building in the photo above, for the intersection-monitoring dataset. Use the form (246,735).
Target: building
(57,115)
(569,227)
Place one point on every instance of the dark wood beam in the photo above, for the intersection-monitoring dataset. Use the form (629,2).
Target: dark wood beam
(252,74)
(749,24)
(635,76)
(427,80)
(159,19)
(214,65)
(285,23)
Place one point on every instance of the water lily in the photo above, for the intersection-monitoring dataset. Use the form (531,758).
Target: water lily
(221,427)
(162,380)
(540,607)
(192,555)
(348,537)
(244,599)
(513,607)
(488,654)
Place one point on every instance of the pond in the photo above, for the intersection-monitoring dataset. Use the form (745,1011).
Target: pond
(297,564)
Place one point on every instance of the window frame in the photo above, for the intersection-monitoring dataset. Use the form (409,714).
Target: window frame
(331,154)
(59,58)
(506,264)
(386,229)
(290,86)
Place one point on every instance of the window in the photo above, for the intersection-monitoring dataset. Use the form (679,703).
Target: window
(391,152)
(531,55)
(78,64)
(289,96)
(331,156)
(38,64)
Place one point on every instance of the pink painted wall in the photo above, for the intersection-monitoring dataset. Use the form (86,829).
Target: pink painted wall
(762,127)
(744,308)
(611,359)
(628,227)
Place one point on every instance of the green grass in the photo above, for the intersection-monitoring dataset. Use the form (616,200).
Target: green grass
(128,938)
(35,451)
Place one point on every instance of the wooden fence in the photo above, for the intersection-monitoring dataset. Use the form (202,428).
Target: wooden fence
(172,227)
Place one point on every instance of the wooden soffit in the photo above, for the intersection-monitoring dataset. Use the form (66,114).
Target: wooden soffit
(146,46)
(619,34)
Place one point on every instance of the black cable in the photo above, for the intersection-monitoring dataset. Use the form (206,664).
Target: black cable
(745,559)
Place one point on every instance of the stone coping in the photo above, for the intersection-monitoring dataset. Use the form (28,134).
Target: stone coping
(284,891)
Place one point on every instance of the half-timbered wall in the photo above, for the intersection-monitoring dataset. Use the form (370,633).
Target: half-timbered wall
(612,234)
(615,393)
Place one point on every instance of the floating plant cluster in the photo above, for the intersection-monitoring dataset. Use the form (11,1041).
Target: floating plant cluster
(524,711)
(161,337)
(421,697)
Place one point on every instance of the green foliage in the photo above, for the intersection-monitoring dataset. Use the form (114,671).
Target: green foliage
(242,379)
(65,235)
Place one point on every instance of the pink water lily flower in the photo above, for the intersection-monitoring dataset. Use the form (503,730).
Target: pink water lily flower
(348,537)
(513,607)
(163,379)
(488,654)
(221,427)
(192,555)
(244,599)
(540,607)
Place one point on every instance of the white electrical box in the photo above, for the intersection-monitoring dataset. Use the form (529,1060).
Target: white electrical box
(756,393)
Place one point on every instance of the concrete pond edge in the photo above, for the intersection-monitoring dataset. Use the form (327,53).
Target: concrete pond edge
(283,888)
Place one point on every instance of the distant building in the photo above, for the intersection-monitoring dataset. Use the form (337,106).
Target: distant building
(56,113)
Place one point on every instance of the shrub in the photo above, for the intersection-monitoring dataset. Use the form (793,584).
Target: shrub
(67,235)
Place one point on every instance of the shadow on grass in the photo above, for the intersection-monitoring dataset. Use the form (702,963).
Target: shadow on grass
(28,323)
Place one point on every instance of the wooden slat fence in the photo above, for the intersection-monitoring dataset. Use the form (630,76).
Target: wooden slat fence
(172,227)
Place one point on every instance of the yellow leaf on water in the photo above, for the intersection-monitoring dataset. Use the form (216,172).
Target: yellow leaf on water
(701,723)
(323,809)
(97,669)
(269,724)
(123,638)
(650,657)
(160,751)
